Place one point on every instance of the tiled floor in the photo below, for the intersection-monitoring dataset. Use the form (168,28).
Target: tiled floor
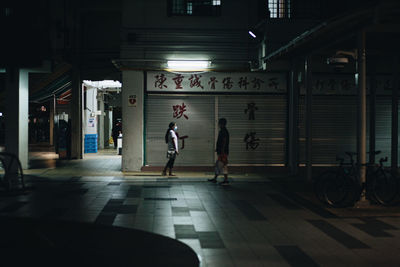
(249,223)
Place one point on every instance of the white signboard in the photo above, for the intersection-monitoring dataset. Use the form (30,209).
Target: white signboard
(253,82)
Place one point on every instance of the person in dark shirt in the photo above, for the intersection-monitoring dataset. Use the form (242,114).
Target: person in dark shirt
(116,130)
(222,149)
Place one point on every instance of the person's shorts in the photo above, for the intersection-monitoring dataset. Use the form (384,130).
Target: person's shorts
(171,154)
(220,168)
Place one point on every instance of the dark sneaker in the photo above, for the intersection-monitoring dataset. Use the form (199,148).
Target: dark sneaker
(224,183)
(212,180)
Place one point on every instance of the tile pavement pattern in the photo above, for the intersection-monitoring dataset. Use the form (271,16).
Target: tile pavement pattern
(245,224)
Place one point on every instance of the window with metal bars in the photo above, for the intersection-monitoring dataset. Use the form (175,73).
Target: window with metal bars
(194,7)
(279,8)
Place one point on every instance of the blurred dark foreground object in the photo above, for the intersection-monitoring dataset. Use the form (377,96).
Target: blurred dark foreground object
(30,242)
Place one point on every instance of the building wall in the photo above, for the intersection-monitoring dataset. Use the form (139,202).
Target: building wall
(90,123)
(148,33)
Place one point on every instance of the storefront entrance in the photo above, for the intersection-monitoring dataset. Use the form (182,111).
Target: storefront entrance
(256,123)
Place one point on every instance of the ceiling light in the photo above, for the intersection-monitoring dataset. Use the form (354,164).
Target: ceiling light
(252,34)
(188,65)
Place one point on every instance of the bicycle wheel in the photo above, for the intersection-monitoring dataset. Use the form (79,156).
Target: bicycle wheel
(4,181)
(13,176)
(341,191)
(319,184)
(385,188)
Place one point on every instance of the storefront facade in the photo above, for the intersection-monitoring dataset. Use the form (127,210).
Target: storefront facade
(334,109)
(254,104)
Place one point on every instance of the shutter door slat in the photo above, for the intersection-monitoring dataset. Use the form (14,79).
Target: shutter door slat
(199,127)
(269,125)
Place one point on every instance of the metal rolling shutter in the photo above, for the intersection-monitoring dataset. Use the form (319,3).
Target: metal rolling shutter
(199,127)
(269,125)
(384,127)
(334,127)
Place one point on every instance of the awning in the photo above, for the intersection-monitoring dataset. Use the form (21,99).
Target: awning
(382,18)
(55,84)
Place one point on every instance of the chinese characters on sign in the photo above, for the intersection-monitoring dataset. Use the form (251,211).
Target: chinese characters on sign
(178,81)
(195,81)
(212,82)
(179,111)
(160,80)
(217,82)
(257,83)
(227,83)
(343,84)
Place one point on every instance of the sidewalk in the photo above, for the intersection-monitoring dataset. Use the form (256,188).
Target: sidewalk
(300,190)
(261,219)
(107,164)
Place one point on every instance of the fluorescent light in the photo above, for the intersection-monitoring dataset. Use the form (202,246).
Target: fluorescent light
(102,84)
(188,65)
(252,34)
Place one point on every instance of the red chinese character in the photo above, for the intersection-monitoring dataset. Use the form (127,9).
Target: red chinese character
(227,83)
(243,82)
(257,83)
(195,81)
(178,81)
(160,80)
(212,82)
(179,110)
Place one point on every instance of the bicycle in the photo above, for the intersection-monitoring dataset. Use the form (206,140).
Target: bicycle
(339,188)
(11,176)
(383,185)
(342,188)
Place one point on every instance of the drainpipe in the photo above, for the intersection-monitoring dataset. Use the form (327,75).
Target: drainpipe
(308,117)
(362,109)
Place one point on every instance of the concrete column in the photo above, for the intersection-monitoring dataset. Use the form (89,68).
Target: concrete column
(101,121)
(293,112)
(16,116)
(132,120)
(395,115)
(76,115)
(372,118)
(308,116)
(361,78)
